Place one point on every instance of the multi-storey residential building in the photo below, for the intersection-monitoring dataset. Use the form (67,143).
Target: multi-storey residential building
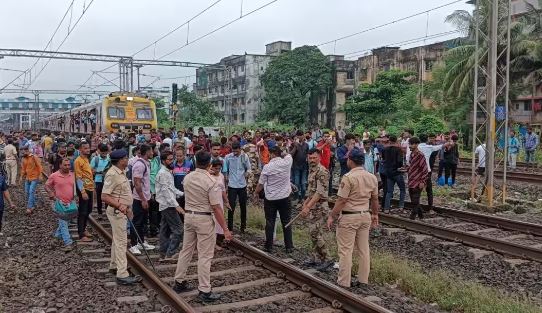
(233,84)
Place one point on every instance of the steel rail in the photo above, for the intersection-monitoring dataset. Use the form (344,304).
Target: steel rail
(484,219)
(338,297)
(498,245)
(516,176)
(167,294)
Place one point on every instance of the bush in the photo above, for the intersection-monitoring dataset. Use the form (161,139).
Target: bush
(430,124)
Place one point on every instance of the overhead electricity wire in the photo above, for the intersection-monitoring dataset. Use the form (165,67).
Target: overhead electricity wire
(85,9)
(46,46)
(389,23)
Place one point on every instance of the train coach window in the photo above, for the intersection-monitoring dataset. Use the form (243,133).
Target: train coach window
(115,112)
(144,114)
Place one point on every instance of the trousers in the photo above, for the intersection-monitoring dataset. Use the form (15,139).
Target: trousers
(450,170)
(429,190)
(99,204)
(353,231)
(83,212)
(271,207)
(140,219)
(233,194)
(154,217)
(317,222)
(63,233)
(415,194)
(384,180)
(30,191)
(299,176)
(11,170)
(199,232)
(118,223)
(171,231)
(392,180)
(512,160)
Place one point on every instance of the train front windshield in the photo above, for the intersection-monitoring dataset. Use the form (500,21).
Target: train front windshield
(144,114)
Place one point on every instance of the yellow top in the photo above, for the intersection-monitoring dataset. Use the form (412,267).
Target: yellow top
(83,172)
(47,142)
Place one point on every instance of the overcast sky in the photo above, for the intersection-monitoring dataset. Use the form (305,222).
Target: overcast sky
(122,27)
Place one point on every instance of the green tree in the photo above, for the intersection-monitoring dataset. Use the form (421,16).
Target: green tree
(430,124)
(293,82)
(195,111)
(162,113)
(391,99)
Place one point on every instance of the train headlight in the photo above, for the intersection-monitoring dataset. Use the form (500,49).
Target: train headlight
(147,126)
(114,125)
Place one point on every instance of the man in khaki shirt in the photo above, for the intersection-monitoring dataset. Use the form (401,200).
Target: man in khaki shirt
(201,201)
(11,163)
(117,195)
(357,191)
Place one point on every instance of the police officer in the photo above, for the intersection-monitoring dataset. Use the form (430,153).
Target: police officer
(201,201)
(358,190)
(117,195)
(315,208)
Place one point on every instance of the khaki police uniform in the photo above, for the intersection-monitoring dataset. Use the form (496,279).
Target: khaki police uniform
(318,183)
(357,186)
(201,192)
(254,175)
(116,184)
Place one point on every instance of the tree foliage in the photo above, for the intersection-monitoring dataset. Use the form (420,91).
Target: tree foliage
(390,100)
(430,124)
(292,82)
(195,111)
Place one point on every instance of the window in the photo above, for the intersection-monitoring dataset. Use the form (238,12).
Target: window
(242,117)
(527,106)
(144,114)
(428,65)
(350,75)
(363,73)
(516,106)
(115,112)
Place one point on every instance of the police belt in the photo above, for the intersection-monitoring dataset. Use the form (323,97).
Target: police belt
(354,212)
(198,213)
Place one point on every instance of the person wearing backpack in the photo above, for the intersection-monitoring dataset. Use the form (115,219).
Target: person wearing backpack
(60,187)
(236,169)
(31,170)
(99,164)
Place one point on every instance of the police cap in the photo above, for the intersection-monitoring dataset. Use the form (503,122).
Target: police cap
(118,154)
(357,156)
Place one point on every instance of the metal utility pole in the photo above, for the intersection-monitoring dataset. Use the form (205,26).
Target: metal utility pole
(37,110)
(491,92)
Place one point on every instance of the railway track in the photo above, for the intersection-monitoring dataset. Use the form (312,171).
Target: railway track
(534,178)
(249,279)
(506,236)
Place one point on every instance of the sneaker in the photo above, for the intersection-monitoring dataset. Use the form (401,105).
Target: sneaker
(209,296)
(129,280)
(182,287)
(135,250)
(146,246)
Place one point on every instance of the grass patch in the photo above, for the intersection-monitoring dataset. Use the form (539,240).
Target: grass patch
(441,287)
(449,292)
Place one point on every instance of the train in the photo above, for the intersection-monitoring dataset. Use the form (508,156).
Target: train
(117,111)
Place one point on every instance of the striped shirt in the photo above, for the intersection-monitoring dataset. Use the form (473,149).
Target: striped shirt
(417,170)
(275,178)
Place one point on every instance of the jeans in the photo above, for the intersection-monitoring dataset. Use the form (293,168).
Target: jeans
(271,207)
(140,219)
(63,233)
(30,190)
(299,176)
(233,193)
(400,180)
(99,204)
(85,208)
(171,231)
(529,156)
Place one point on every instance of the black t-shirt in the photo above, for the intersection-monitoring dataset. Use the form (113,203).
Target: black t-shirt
(393,157)
(55,160)
(300,155)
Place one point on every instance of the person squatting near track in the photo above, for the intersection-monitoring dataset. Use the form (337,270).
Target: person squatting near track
(203,199)
(357,192)
(117,195)
(315,209)
(60,187)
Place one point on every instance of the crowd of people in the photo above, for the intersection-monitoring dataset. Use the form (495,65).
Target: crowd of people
(176,185)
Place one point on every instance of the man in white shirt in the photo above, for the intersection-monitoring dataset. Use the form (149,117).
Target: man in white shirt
(480,170)
(427,150)
(275,181)
(168,140)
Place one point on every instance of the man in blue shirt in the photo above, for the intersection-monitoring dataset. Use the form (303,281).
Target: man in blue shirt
(181,167)
(236,168)
(531,143)
(344,151)
(99,164)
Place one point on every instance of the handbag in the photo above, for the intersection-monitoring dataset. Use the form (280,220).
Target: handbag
(65,210)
